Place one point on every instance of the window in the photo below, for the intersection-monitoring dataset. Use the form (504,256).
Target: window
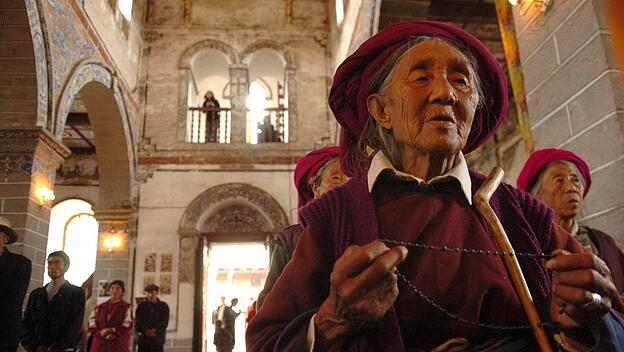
(73,229)
(125,7)
(339,11)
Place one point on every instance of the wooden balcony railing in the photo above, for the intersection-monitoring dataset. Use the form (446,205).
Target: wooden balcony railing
(209,125)
(214,125)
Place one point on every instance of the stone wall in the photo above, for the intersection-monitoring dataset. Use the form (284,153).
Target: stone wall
(575,98)
(237,29)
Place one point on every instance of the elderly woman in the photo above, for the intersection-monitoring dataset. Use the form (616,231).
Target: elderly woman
(316,173)
(561,179)
(420,95)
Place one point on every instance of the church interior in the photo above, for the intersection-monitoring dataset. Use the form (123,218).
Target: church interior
(113,150)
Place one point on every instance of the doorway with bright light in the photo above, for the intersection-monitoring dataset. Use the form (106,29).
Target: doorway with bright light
(232,270)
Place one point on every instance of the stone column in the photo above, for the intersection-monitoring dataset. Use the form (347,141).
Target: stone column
(291,87)
(29,159)
(239,86)
(190,288)
(115,265)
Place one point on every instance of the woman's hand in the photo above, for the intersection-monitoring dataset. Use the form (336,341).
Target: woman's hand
(583,291)
(363,286)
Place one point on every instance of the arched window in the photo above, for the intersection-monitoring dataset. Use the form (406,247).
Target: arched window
(125,7)
(73,229)
(208,120)
(267,72)
(339,11)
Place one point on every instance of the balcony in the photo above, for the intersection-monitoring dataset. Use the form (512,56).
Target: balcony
(214,125)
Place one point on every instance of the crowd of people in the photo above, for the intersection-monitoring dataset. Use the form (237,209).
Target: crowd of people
(53,318)
(390,253)
(398,258)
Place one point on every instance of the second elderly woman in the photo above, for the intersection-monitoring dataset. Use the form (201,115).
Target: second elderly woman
(398,259)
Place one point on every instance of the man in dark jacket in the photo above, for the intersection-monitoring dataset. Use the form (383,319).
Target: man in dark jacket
(152,318)
(14,279)
(53,317)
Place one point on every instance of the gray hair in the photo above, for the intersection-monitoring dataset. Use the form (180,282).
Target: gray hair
(375,136)
(537,186)
(315,181)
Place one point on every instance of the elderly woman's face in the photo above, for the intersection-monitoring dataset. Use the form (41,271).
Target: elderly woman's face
(430,100)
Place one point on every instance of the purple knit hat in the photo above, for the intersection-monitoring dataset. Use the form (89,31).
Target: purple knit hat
(348,94)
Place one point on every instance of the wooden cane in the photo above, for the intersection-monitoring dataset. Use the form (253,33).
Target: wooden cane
(482,202)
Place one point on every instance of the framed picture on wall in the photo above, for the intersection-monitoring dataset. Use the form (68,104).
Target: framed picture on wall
(166,262)
(150,263)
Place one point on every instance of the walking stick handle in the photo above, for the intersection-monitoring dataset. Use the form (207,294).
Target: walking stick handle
(482,202)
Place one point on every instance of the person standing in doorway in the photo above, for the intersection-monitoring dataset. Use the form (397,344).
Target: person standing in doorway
(53,317)
(14,277)
(223,339)
(152,318)
(219,313)
(229,317)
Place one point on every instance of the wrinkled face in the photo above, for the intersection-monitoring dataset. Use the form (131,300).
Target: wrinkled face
(115,291)
(562,189)
(56,267)
(152,296)
(430,100)
(331,177)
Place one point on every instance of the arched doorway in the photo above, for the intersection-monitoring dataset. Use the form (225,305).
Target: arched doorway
(92,119)
(241,217)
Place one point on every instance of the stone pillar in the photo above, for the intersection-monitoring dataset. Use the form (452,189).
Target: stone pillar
(239,86)
(190,289)
(575,97)
(29,159)
(117,264)
(291,86)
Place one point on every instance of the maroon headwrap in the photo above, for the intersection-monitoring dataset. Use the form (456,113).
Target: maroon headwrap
(307,167)
(348,94)
(542,158)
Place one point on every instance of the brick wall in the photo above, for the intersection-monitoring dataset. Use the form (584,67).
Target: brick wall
(575,98)
(18,82)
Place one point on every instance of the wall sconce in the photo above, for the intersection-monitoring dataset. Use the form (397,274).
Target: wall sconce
(111,243)
(44,195)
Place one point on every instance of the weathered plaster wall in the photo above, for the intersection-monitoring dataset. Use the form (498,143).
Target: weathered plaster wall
(121,38)
(575,98)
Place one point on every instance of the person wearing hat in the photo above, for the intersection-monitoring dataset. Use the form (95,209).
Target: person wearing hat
(110,324)
(398,259)
(53,317)
(14,278)
(561,179)
(316,173)
(152,318)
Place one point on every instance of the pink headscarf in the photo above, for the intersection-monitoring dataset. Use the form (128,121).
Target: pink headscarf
(544,157)
(348,94)
(307,167)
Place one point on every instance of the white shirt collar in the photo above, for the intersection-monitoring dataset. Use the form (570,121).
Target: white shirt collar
(575,228)
(459,172)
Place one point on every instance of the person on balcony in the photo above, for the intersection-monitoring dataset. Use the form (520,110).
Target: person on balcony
(211,108)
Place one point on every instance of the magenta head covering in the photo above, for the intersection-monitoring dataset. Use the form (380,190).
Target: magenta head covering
(544,157)
(307,167)
(348,94)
